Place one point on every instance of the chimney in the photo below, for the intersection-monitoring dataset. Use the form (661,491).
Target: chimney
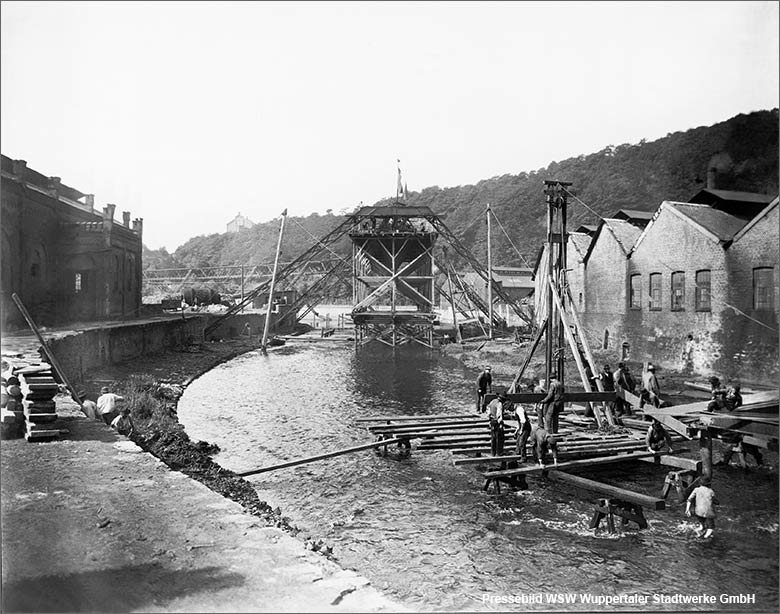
(712,173)
(126,219)
(90,202)
(108,215)
(55,183)
(20,169)
(138,226)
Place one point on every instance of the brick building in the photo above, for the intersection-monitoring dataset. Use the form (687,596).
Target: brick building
(66,261)
(708,268)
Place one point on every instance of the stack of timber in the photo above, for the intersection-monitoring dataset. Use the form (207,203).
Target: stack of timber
(39,388)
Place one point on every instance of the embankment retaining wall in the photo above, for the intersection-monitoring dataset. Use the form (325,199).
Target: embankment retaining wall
(97,347)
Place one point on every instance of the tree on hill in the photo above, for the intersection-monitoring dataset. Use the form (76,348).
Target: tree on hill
(743,150)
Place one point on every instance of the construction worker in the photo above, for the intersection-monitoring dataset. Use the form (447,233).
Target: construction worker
(484,385)
(650,388)
(544,442)
(553,405)
(522,432)
(657,436)
(495,411)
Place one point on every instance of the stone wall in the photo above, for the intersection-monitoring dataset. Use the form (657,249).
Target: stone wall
(97,347)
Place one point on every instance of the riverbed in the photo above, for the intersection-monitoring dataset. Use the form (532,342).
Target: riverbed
(425,532)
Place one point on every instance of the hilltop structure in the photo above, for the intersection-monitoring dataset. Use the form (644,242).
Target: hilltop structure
(238,223)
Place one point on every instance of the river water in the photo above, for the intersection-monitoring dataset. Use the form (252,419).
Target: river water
(423,530)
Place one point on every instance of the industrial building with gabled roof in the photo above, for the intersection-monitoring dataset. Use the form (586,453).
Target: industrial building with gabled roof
(709,269)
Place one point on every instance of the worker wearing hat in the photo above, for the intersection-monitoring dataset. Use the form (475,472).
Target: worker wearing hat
(484,386)
(623,382)
(495,411)
(650,387)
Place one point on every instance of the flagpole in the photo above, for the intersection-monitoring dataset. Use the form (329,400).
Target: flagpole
(398,183)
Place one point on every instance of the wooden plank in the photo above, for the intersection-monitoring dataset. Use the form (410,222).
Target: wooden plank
(311,459)
(436,433)
(673,423)
(568,397)
(486,459)
(586,462)
(741,425)
(419,417)
(674,461)
(418,425)
(606,489)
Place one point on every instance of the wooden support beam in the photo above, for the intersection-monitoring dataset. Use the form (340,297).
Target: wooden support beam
(606,489)
(585,462)
(568,397)
(688,464)
(311,459)
(670,421)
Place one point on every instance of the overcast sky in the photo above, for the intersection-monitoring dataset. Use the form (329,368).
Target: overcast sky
(187,113)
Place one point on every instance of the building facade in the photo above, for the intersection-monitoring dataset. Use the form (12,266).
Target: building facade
(705,269)
(240,222)
(65,261)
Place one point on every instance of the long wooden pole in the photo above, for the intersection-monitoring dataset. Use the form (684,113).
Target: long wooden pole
(311,459)
(490,276)
(458,338)
(513,387)
(267,326)
(49,354)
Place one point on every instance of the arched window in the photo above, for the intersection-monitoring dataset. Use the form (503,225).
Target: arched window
(606,339)
(678,291)
(655,292)
(703,290)
(635,292)
(763,289)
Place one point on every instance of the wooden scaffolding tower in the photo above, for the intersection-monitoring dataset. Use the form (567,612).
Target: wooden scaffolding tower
(393,272)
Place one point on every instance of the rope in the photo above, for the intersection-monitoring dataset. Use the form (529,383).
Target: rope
(316,240)
(593,211)
(510,240)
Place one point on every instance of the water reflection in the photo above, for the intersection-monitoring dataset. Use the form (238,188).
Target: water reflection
(421,528)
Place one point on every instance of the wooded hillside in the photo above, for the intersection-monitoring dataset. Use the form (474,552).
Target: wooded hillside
(743,150)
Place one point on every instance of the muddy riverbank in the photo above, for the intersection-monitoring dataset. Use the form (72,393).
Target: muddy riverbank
(152,387)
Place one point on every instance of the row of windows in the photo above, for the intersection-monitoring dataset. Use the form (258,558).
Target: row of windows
(763,295)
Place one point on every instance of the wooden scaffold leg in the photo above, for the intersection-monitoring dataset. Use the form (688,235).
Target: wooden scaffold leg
(681,481)
(609,508)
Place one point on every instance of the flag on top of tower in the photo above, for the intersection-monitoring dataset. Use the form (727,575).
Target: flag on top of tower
(400,191)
